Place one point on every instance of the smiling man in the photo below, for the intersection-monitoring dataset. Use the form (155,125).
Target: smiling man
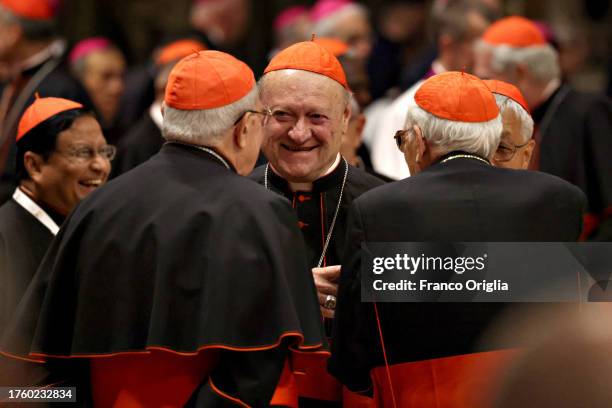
(305,91)
(62,156)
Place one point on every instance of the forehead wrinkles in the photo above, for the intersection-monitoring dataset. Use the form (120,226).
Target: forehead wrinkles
(294,87)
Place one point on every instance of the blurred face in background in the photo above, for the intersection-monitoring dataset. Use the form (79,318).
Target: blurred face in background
(355,30)
(103,78)
(225,22)
(457,53)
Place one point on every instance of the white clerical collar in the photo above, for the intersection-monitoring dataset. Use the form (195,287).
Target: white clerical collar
(156,114)
(30,206)
(333,166)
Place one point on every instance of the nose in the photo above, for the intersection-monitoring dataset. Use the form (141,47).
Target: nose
(100,164)
(300,132)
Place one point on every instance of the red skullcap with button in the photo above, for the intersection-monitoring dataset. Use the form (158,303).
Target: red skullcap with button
(457,96)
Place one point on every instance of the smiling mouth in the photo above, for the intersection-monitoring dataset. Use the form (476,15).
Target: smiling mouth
(299,148)
(91,183)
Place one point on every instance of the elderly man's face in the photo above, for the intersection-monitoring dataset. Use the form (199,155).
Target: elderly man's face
(69,174)
(104,80)
(309,116)
(513,152)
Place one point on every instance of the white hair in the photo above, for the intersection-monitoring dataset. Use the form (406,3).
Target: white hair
(205,127)
(542,61)
(505,103)
(326,27)
(481,138)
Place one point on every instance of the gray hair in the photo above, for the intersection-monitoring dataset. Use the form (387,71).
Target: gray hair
(205,127)
(481,138)
(542,61)
(34,30)
(507,104)
(326,27)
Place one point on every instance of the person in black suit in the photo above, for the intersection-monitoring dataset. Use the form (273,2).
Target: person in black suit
(455,194)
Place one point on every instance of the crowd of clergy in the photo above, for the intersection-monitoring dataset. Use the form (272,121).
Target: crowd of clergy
(190,234)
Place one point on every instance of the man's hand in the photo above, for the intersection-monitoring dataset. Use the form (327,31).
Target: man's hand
(326,282)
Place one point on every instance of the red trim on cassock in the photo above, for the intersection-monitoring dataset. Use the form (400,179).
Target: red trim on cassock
(468,380)
(155,379)
(226,396)
(590,222)
(200,349)
(286,393)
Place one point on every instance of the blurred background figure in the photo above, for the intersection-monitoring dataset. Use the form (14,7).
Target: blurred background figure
(290,26)
(100,66)
(144,138)
(399,48)
(344,20)
(456,30)
(566,359)
(572,128)
(224,22)
(32,60)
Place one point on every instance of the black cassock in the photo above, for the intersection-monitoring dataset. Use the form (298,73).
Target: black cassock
(315,209)
(23,243)
(576,145)
(461,200)
(180,254)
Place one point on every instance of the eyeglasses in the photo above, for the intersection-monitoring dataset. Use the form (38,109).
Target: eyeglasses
(506,151)
(85,154)
(287,118)
(399,138)
(266,113)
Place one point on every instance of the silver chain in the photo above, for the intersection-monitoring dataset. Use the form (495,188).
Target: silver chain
(333,223)
(465,156)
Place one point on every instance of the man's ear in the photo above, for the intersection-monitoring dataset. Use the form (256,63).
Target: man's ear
(346,117)
(241,132)
(421,143)
(527,153)
(33,163)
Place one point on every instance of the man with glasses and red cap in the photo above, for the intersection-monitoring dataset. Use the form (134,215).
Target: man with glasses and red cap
(452,130)
(171,282)
(572,128)
(306,92)
(62,156)
(516,144)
